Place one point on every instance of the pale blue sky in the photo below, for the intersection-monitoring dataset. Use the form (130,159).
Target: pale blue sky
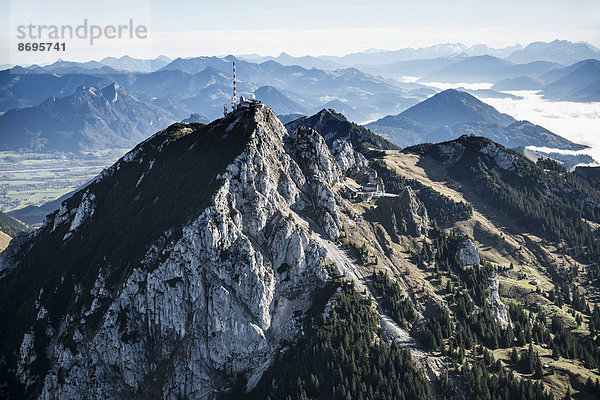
(190,28)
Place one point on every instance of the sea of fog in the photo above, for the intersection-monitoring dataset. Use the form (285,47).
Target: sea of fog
(578,122)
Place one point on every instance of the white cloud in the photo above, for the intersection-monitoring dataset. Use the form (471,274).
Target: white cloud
(578,122)
(470,86)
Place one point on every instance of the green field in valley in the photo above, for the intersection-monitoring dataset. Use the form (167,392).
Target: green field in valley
(34,179)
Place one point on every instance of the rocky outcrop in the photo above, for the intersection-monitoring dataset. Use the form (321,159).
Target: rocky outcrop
(321,171)
(498,307)
(346,158)
(502,159)
(468,150)
(85,210)
(402,215)
(450,152)
(413,213)
(468,253)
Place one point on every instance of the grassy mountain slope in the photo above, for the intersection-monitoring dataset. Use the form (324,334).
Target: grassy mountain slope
(504,190)
(12,226)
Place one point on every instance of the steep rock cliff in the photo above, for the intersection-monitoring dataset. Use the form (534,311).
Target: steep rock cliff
(214,286)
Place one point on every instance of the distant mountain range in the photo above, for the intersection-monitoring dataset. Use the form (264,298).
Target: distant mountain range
(177,85)
(411,68)
(93,119)
(518,83)
(452,107)
(203,85)
(195,117)
(135,64)
(515,68)
(20,88)
(488,69)
(379,57)
(511,68)
(307,62)
(90,119)
(579,82)
(124,62)
(289,117)
(196,64)
(342,107)
(453,113)
(557,51)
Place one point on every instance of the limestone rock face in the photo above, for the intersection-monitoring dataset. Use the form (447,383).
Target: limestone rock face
(502,159)
(468,253)
(216,303)
(321,171)
(312,155)
(498,307)
(413,212)
(346,157)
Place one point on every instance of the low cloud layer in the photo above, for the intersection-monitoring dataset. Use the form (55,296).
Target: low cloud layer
(578,122)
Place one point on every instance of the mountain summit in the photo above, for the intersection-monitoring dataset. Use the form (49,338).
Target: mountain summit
(452,113)
(452,107)
(334,126)
(182,267)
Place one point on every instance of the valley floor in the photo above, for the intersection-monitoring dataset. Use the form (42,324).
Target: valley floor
(34,179)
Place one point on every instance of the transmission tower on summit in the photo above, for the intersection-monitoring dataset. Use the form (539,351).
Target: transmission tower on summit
(234,103)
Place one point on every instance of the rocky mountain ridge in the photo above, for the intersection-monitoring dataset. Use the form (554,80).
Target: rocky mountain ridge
(209,299)
(193,265)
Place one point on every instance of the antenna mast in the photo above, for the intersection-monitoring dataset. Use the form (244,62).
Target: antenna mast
(234,102)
